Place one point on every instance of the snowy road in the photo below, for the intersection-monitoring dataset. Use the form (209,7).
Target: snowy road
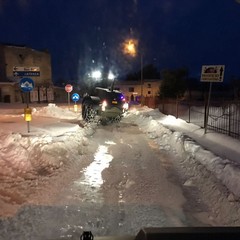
(127,186)
(63,179)
(123,183)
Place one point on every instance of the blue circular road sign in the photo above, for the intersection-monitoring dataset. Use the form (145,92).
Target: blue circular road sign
(26,84)
(75,97)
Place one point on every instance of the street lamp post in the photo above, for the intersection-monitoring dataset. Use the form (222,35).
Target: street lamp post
(130,48)
(141,79)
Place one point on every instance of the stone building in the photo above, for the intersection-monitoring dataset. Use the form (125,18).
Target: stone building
(18,62)
(133,89)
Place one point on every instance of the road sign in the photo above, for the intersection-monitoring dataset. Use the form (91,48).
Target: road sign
(68,88)
(26,74)
(26,84)
(212,73)
(75,97)
(26,71)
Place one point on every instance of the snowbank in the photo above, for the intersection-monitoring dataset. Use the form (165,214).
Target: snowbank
(150,122)
(47,147)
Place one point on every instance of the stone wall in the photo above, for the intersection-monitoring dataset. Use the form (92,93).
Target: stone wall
(17,62)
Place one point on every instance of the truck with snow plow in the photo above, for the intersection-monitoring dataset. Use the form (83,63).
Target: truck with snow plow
(106,105)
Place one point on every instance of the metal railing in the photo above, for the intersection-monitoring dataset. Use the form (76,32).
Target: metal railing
(224,117)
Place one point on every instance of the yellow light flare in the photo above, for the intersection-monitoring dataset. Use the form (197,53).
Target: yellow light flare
(130,47)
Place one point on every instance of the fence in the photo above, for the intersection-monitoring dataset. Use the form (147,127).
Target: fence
(224,117)
(151,102)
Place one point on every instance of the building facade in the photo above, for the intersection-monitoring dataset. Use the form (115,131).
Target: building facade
(18,62)
(134,89)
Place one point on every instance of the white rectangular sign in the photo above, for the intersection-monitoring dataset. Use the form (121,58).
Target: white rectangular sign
(26,69)
(212,73)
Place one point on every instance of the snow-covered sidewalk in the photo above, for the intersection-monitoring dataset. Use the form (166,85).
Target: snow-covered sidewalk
(217,152)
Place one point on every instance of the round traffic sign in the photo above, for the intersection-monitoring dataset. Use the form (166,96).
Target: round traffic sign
(75,97)
(68,88)
(26,84)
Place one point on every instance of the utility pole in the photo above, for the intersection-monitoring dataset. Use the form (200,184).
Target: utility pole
(141,79)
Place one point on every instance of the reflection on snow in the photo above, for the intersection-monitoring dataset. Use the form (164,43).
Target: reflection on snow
(110,143)
(170,120)
(122,142)
(93,173)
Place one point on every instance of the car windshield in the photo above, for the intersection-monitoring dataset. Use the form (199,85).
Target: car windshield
(161,152)
(117,96)
(105,93)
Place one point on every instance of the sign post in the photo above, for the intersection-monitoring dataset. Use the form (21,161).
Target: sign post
(68,89)
(75,98)
(211,73)
(27,85)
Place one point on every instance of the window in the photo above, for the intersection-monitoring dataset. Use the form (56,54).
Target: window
(149,92)
(149,85)
(131,89)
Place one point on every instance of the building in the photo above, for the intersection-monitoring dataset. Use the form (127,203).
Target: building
(18,62)
(133,89)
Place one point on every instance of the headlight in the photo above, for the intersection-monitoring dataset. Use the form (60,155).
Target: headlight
(125,106)
(104,104)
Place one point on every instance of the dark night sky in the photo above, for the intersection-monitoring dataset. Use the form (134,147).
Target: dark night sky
(83,35)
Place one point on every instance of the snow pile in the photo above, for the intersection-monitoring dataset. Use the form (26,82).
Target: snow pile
(151,122)
(44,149)
(52,110)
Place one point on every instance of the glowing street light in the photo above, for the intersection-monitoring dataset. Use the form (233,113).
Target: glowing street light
(96,74)
(111,76)
(130,48)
